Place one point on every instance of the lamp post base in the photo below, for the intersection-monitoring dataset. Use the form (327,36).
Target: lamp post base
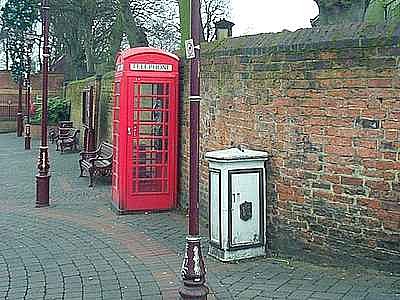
(193,271)
(20,124)
(27,143)
(42,190)
(193,292)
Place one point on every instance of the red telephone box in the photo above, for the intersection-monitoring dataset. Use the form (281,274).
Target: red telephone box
(145,130)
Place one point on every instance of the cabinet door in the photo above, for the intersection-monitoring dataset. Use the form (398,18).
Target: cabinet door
(215,207)
(246,213)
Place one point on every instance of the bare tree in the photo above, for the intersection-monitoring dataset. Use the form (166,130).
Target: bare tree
(213,11)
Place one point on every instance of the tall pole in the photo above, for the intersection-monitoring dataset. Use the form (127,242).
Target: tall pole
(20,125)
(193,267)
(28,99)
(43,177)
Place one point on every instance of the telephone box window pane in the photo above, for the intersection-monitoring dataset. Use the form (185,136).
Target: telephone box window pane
(150,130)
(146,116)
(151,103)
(134,184)
(149,144)
(165,185)
(145,157)
(116,127)
(146,89)
(152,116)
(145,130)
(150,172)
(166,156)
(151,89)
(116,100)
(150,185)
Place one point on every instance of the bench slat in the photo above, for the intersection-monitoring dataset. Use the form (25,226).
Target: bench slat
(103,162)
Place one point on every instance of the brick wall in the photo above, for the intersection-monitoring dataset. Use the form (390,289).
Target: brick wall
(9,87)
(9,94)
(325,103)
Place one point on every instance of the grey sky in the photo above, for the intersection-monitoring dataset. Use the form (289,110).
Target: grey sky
(259,16)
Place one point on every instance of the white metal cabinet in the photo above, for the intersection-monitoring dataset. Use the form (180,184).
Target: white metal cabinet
(237,201)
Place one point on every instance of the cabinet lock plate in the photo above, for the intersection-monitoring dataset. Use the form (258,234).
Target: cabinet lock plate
(246,211)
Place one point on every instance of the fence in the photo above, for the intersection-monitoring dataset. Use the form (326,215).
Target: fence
(8,112)
(9,107)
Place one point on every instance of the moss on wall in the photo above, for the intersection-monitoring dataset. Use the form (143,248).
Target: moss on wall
(74,94)
(106,103)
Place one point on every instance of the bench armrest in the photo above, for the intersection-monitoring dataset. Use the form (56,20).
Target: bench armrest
(94,159)
(72,133)
(88,155)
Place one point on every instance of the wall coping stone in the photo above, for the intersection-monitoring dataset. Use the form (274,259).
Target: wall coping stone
(355,35)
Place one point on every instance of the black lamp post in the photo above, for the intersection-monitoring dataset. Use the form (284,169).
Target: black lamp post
(30,38)
(193,267)
(20,117)
(43,177)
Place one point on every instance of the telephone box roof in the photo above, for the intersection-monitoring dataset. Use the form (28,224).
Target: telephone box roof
(145,50)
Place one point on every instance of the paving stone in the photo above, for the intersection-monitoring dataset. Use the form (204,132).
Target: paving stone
(354,296)
(300,295)
(79,249)
(326,295)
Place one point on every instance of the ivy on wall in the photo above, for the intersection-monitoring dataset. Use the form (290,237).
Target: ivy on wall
(383,10)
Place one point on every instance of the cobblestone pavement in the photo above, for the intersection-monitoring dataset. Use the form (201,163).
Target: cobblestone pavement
(79,249)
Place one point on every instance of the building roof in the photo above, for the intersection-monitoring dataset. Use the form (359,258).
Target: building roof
(224,24)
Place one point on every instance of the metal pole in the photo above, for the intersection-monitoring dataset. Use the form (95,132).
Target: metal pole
(96,110)
(9,110)
(193,267)
(28,104)
(43,177)
(19,112)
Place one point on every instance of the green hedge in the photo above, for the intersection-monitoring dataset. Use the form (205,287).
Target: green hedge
(58,110)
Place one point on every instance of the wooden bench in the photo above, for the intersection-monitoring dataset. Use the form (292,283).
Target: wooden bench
(68,139)
(63,127)
(97,163)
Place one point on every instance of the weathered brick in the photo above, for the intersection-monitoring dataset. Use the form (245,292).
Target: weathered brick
(379,174)
(359,142)
(355,190)
(339,150)
(351,180)
(390,146)
(366,152)
(331,178)
(339,141)
(365,201)
(391,125)
(338,169)
(380,164)
(380,83)
(342,132)
(390,156)
(391,135)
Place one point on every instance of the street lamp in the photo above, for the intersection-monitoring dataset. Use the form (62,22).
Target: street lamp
(20,123)
(43,177)
(30,40)
(193,267)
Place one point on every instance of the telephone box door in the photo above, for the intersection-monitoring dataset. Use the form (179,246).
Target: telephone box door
(151,144)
